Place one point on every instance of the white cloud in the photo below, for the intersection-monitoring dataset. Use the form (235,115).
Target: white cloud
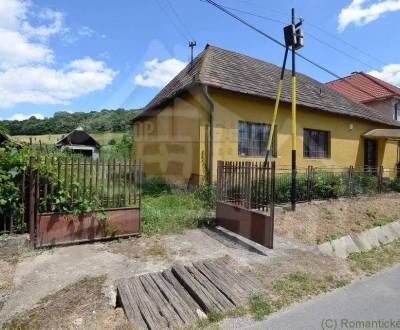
(358,14)
(21,116)
(27,72)
(85,31)
(159,73)
(389,73)
(15,50)
(43,32)
(43,85)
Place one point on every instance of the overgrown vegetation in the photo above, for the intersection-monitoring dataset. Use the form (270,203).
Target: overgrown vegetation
(376,259)
(324,184)
(14,169)
(64,122)
(173,212)
(168,208)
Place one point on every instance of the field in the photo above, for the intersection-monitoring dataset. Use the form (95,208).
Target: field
(102,138)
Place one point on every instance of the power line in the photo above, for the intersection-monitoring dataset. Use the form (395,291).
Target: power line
(321,67)
(179,19)
(315,26)
(173,22)
(306,33)
(346,42)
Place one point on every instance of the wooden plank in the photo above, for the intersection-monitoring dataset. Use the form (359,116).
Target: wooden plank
(227,261)
(186,314)
(206,301)
(223,302)
(222,285)
(129,304)
(183,294)
(166,310)
(231,276)
(238,285)
(147,308)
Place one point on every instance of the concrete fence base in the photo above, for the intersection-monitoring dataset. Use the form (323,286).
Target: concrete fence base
(367,240)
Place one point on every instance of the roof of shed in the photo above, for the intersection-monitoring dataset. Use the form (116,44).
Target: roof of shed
(232,71)
(78,137)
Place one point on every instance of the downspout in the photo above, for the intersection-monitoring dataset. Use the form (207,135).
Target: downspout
(210,132)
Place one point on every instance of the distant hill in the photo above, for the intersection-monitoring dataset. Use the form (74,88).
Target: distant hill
(64,122)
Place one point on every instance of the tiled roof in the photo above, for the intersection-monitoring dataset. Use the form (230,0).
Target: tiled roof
(364,88)
(228,70)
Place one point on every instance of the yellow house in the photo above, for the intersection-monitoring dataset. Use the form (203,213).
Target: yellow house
(220,108)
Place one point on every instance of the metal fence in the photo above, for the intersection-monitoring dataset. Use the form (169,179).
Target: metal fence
(82,182)
(324,183)
(74,185)
(247,184)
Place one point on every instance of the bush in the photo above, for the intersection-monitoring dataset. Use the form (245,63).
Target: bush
(208,194)
(327,185)
(112,142)
(156,185)
(394,185)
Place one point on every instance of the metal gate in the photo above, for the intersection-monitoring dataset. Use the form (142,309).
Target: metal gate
(245,199)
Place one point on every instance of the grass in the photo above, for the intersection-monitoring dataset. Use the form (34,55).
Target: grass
(289,289)
(259,307)
(379,222)
(372,261)
(173,213)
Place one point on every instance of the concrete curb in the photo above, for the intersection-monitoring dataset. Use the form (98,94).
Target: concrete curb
(344,246)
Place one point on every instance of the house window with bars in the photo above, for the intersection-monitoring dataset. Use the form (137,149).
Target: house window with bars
(253,139)
(316,143)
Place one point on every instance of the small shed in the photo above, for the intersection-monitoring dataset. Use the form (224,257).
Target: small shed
(79,141)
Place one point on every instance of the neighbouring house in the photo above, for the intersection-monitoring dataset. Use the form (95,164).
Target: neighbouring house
(79,141)
(220,108)
(371,91)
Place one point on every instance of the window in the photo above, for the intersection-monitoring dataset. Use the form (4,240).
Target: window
(253,138)
(397,111)
(316,144)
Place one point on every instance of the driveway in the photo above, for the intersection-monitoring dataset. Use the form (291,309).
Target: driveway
(371,303)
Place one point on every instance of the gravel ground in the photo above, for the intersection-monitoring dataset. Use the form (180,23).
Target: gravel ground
(35,275)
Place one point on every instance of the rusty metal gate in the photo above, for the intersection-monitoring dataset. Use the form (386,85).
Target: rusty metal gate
(245,199)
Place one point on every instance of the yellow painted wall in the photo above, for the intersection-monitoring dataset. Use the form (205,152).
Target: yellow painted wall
(169,143)
(347,144)
(174,142)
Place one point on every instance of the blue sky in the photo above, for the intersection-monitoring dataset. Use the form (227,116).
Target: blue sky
(71,55)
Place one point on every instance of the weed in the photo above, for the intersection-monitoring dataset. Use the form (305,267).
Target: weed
(171,213)
(379,222)
(259,307)
(376,259)
(332,237)
(215,316)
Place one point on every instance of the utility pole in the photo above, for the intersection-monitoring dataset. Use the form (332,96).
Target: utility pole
(294,123)
(294,39)
(192,44)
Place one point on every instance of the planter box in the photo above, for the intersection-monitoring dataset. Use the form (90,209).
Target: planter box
(61,228)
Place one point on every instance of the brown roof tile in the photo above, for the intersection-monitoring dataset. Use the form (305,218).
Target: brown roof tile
(228,70)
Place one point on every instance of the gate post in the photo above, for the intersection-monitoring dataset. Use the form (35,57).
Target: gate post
(32,213)
(272,204)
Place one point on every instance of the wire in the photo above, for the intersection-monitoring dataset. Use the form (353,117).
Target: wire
(306,33)
(173,22)
(321,67)
(346,43)
(179,19)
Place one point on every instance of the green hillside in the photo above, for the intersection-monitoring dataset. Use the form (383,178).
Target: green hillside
(104,121)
